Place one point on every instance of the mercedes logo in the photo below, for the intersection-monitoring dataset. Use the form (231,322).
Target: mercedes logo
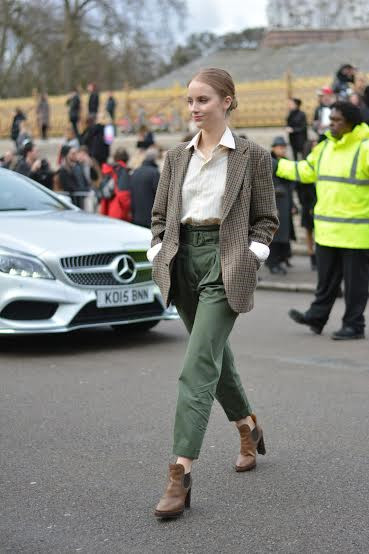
(124,269)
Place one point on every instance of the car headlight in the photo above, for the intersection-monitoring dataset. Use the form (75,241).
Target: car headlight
(21,265)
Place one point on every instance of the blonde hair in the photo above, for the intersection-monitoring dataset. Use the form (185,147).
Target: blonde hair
(221,81)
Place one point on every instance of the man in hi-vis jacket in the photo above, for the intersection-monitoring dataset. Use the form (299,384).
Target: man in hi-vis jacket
(340,168)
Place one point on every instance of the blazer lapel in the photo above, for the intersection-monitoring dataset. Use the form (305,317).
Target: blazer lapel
(237,162)
(182,161)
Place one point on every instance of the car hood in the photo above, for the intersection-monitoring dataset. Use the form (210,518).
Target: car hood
(69,232)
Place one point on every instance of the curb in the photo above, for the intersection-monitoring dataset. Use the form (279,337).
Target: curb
(286,287)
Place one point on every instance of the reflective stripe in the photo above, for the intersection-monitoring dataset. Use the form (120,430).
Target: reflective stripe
(321,154)
(340,219)
(352,180)
(347,180)
(298,178)
(355,160)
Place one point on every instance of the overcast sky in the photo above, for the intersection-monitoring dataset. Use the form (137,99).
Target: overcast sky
(223,16)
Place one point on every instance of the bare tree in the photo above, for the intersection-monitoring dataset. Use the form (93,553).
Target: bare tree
(55,44)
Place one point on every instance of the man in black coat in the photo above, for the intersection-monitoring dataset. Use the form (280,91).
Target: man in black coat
(296,127)
(280,249)
(18,117)
(144,183)
(74,103)
(110,106)
(93,101)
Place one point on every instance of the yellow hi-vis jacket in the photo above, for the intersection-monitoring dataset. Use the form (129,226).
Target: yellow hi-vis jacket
(340,169)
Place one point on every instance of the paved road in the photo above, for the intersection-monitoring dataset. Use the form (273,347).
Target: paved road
(86,424)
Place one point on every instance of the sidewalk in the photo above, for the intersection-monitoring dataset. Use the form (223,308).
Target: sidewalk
(299,278)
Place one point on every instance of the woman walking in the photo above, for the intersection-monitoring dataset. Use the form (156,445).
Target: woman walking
(213,218)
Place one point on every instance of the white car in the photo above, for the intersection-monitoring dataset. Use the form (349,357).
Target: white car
(63,269)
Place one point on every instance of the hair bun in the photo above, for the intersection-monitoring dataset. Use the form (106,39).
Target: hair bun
(234,104)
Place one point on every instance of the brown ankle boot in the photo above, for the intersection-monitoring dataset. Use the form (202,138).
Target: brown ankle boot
(251,442)
(177,496)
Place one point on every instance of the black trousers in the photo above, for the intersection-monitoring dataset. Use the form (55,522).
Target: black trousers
(335,264)
(74,123)
(44,128)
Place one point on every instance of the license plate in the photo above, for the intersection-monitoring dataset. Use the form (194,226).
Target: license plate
(124,296)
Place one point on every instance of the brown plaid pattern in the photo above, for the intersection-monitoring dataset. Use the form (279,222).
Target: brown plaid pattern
(249,213)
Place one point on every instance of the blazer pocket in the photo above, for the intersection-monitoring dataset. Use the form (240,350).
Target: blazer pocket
(255,258)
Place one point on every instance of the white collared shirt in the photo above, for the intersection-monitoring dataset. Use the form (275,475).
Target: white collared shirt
(204,184)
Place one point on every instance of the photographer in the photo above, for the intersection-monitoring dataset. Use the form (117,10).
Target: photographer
(30,165)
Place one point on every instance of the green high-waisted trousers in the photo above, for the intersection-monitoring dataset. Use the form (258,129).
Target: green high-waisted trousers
(208,371)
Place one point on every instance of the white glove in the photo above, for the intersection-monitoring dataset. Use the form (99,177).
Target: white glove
(260,250)
(153,251)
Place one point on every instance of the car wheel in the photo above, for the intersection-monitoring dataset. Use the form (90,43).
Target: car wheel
(135,327)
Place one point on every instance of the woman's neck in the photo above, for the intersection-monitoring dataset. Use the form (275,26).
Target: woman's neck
(210,138)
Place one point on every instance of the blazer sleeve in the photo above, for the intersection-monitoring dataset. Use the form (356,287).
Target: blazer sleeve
(159,210)
(263,212)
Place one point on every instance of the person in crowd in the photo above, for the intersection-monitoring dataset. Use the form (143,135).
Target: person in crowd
(280,248)
(70,138)
(94,138)
(31,165)
(360,84)
(296,127)
(210,235)
(307,196)
(91,168)
(115,188)
(19,116)
(144,182)
(8,160)
(74,104)
(343,84)
(321,120)
(71,177)
(340,168)
(145,138)
(358,101)
(43,115)
(24,136)
(111,106)
(65,180)
(93,101)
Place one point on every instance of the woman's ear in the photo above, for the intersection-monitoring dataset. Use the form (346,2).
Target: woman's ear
(227,102)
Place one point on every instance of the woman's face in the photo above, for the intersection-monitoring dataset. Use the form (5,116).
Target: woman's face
(207,108)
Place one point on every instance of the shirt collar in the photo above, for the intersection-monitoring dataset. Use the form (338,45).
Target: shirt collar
(227,140)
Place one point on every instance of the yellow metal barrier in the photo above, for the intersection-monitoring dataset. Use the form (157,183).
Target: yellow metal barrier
(260,104)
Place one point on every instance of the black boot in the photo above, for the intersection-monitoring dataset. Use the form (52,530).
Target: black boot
(300,318)
(348,333)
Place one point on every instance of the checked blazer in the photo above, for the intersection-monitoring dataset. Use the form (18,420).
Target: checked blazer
(248,214)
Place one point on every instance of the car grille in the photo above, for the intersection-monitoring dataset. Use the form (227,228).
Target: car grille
(92,314)
(95,270)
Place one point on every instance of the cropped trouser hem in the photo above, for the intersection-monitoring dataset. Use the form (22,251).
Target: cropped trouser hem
(186,452)
(236,417)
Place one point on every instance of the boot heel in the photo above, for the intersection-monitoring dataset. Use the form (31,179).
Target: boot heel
(188,499)
(261,446)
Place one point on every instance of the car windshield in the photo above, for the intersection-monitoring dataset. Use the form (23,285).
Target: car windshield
(17,193)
